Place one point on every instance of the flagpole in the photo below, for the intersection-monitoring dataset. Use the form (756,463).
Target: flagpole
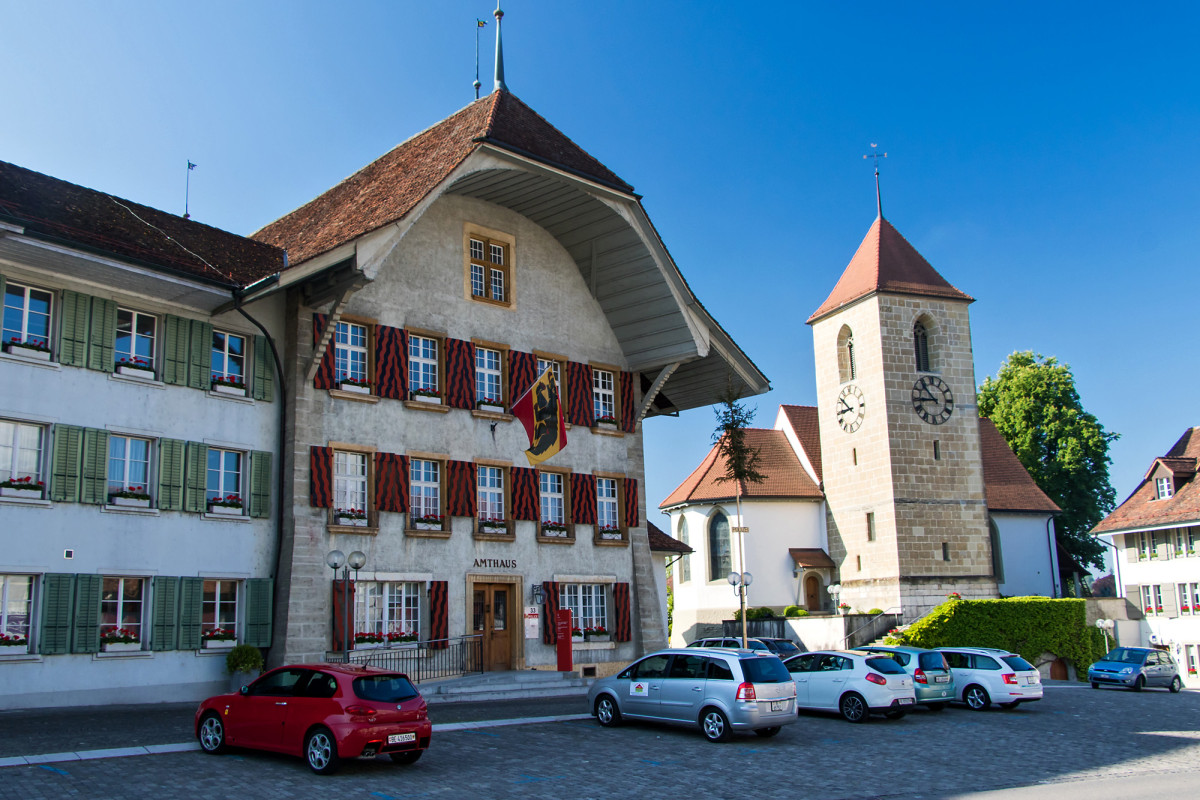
(187,189)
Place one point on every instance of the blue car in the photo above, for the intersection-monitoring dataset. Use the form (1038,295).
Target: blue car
(1136,668)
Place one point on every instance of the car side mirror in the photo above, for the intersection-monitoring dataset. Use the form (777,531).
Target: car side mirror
(244,690)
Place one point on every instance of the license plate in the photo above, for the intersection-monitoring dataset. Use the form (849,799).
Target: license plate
(779,705)
(941,678)
(1030,681)
(906,701)
(401,738)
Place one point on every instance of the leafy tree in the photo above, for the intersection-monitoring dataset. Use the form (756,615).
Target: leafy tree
(1035,406)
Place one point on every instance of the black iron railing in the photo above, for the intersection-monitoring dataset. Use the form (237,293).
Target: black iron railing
(422,661)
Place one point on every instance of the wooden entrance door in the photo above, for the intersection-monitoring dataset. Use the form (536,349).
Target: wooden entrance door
(812,593)
(492,620)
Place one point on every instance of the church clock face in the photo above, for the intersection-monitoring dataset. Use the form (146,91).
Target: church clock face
(851,407)
(932,399)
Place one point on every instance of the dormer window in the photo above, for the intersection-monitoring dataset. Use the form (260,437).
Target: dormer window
(1166,488)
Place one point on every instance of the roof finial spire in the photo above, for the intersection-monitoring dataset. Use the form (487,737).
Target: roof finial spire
(479,23)
(499,15)
(875,154)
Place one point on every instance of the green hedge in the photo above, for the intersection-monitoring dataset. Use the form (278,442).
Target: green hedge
(1029,626)
(755,613)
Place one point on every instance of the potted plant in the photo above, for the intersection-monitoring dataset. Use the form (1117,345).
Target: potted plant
(1191,670)
(135,366)
(496,526)
(576,634)
(428,522)
(954,596)
(1191,552)
(132,496)
(229,384)
(119,640)
(844,608)
(1149,609)
(490,404)
(244,662)
(25,487)
(30,348)
(1185,607)
(13,640)
(427,394)
(607,419)
(1154,554)
(610,531)
(230,505)
(402,638)
(597,633)
(219,638)
(555,529)
(1158,609)
(354,517)
(356,385)
(368,639)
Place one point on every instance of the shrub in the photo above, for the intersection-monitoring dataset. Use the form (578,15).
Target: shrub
(875,611)
(755,613)
(799,612)
(792,611)
(244,658)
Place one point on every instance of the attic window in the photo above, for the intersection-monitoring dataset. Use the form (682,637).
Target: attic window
(1166,488)
(488,266)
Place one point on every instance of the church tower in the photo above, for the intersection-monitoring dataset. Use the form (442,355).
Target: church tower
(903,472)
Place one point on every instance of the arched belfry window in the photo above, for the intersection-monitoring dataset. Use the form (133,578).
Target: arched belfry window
(921,346)
(685,561)
(720,560)
(845,354)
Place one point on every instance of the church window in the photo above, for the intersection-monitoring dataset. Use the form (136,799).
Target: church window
(870,526)
(720,555)
(997,552)
(845,355)
(685,563)
(937,450)
(945,551)
(921,347)
(858,562)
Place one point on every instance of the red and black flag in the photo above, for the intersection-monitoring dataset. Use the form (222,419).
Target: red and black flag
(541,412)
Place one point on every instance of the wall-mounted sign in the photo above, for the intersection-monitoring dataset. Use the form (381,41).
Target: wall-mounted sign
(495,563)
(532,616)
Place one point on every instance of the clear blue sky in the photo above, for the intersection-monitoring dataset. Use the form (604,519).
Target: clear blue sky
(1041,155)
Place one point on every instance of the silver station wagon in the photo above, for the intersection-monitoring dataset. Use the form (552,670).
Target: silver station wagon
(719,689)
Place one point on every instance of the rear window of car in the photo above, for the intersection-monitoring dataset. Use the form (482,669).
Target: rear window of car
(899,658)
(785,647)
(1018,663)
(384,688)
(765,670)
(885,665)
(931,661)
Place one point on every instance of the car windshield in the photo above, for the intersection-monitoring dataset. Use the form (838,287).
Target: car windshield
(786,648)
(1018,663)
(765,670)
(931,661)
(885,665)
(384,688)
(1126,655)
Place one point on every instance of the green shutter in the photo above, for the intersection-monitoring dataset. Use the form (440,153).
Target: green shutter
(191,596)
(64,471)
(175,350)
(195,488)
(260,484)
(102,335)
(85,628)
(258,611)
(94,483)
(164,610)
(170,474)
(200,356)
(72,344)
(54,635)
(264,370)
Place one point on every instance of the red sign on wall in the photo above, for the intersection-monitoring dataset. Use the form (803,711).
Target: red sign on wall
(562,631)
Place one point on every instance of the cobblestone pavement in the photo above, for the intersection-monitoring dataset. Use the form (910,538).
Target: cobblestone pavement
(1075,734)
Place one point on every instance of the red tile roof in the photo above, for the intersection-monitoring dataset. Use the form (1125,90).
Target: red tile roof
(391,186)
(1006,483)
(810,557)
(806,424)
(1143,509)
(98,222)
(785,477)
(662,543)
(886,262)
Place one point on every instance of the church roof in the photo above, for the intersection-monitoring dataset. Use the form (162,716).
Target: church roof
(1143,509)
(389,187)
(886,262)
(1006,483)
(804,422)
(785,476)
(661,542)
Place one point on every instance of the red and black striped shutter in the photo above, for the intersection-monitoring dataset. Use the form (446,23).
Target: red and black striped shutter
(343,599)
(632,518)
(628,411)
(460,374)
(525,493)
(583,498)
(580,409)
(522,372)
(391,482)
(549,629)
(622,630)
(439,615)
(324,379)
(460,489)
(391,363)
(320,488)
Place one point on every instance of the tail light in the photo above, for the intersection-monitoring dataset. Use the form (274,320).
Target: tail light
(746,692)
(360,711)
(919,676)
(875,677)
(1010,678)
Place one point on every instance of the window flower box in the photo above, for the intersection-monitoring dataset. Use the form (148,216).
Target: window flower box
(229,384)
(353,517)
(490,404)
(607,420)
(432,396)
(25,487)
(225,511)
(1154,555)
(119,640)
(132,497)
(218,639)
(1149,609)
(610,532)
(428,522)
(136,367)
(13,643)
(1158,609)
(1185,608)
(356,387)
(121,647)
(1191,670)
(556,530)
(576,634)
(219,644)
(1191,553)
(496,526)
(31,348)
(597,634)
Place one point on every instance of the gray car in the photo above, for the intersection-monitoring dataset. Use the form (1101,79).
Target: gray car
(721,690)
(1136,668)
(932,679)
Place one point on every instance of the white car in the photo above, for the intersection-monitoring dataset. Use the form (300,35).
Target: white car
(985,675)
(851,682)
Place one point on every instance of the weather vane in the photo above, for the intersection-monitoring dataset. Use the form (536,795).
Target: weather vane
(479,23)
(876,155)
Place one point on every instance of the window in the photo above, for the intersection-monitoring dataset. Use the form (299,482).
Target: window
(552,497)
(16,603)
(555,367)
(720,561)
(685,562)
(1185,605)
(1193,598)
(128,465)
(349,481)
(490,493)
(604,395)
(21,451)
(489,376)
(1145,545)
(1193,534)
(1166,488)
(228,360)
(224,476)
(350,353)
(845,355)
(422,364)
(586,602)
(945,551)
(425,489)
(937,450)
(136,333)
(27,316)
(608,521)
(388,607)
(121,605)
(921,347)
(870,526)
(489,269)
(218,606)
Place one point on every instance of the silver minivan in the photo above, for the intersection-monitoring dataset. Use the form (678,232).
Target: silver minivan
(721,690)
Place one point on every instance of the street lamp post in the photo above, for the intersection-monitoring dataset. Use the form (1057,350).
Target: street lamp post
(1106,625)
(739,581)
(355,561)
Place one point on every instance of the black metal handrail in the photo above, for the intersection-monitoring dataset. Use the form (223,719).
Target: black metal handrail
(422,661)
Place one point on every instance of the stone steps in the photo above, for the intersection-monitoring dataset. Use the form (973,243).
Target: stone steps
(505,686)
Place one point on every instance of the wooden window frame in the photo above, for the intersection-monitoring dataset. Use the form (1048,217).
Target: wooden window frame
(368,326)
(622,522)
(615,372)
(565,475)
(490,238)
(368,452)
(505,468)
(506,398)
(440,338)
(442,460)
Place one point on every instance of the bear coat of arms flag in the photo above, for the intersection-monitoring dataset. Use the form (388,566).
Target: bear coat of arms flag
(540,411)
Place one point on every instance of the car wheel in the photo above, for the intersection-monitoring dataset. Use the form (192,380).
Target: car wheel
(897,714)
(1139,684)
(1176,685)
(320,751)
(937,706)
(715,724)
(212,733)
(1095,685)
(767,733)
(976,697)
(407,757)
(853,708)
(607,712)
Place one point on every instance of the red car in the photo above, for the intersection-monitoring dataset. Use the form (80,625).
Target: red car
(323,712)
